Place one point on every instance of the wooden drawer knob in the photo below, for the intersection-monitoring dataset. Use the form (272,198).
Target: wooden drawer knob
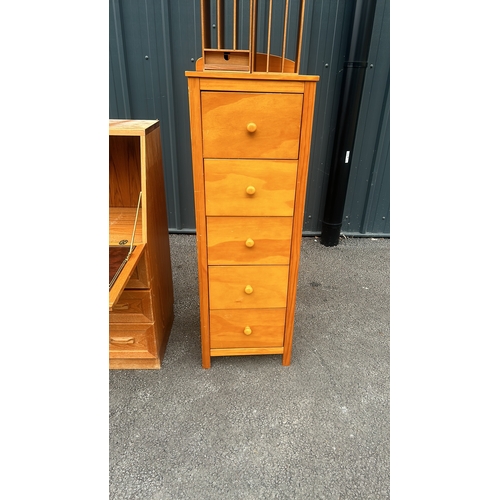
(251,127)
(250,190)
(249,243)
(248,289)
(247,330)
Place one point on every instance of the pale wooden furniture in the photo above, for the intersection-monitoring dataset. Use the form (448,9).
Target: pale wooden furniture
(141,299)
(226,55)
(250,134)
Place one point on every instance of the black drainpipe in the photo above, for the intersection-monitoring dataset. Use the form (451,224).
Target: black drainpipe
(347,119)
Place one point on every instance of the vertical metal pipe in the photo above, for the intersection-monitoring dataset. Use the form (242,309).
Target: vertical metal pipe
(347,120)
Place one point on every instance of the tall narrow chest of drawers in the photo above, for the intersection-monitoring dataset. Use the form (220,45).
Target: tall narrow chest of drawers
(250,137)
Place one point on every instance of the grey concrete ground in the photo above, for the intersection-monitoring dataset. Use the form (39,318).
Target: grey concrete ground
(250,428)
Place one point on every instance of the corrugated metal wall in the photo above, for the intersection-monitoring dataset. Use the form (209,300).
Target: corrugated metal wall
(153,42)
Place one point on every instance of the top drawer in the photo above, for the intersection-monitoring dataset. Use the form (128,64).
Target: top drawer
(250,125)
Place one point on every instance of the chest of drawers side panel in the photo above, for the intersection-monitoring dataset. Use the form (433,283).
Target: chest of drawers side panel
(158,248)
(300,197)
(199,204)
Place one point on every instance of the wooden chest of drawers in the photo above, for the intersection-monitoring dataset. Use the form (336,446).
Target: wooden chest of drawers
(250,136)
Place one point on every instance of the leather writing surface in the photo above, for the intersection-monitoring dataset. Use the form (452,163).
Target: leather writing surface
(116,257)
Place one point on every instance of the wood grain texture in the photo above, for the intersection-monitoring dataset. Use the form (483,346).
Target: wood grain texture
(225,117)
(227,60)
(205,24)
(269,26)
(299,37)
(241,187)
(134,364)
(258,76)
(285,26)
(220,24)
(141,322)
(134,340)
(140,279)
(275,63)
(158,251)
(227,328)
(133,306)
(234,85)
(124,171)
(227,287)
(226,183)
(121,225)
(235,24)
(131,127)
(253,33)
(246,351)
(199,205)
(305,141)
(122,280)
(227,240)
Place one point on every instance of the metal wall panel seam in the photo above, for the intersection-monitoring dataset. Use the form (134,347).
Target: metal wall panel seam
(324,105)
(360,190)
(369,210)
(171,168)
(159,91)
(120,56)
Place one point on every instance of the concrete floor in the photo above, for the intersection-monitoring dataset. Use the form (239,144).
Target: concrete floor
(250,428)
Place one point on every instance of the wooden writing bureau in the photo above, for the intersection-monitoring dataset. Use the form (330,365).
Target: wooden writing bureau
(141,294)
(250,137)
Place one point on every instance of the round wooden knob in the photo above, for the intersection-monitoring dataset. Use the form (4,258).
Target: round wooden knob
(249,243)
(250,190)
(248,289)
(247,330)
(251,127)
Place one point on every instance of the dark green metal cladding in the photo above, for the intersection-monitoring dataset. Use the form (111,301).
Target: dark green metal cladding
(153,42)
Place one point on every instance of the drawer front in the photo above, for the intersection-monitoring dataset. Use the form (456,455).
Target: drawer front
(134,306)
(250,187)
(131,341)
(250,125)
(139,277)
(247,328)
(249,240)
(247,287)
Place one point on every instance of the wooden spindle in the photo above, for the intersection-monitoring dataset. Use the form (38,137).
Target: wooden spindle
(220,24)
(205,25)
(269,34)
(284,38)
(235,24)
(301,29)
(253,35)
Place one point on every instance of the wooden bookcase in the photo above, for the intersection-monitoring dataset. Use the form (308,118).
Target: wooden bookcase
(251,128)
(141,298)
